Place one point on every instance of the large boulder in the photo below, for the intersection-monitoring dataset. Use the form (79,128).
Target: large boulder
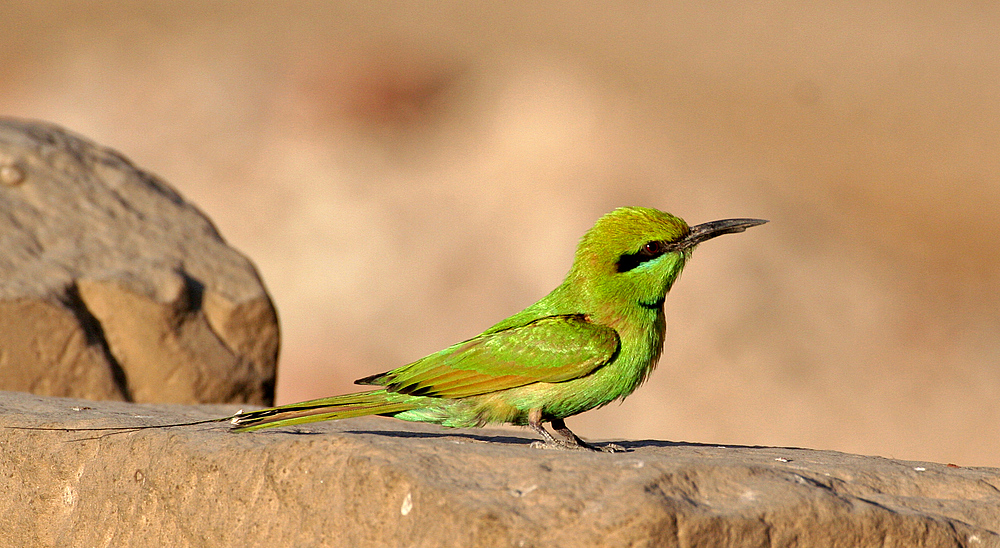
(382,482)
(114,287)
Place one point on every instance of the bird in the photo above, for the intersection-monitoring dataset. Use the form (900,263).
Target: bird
(593,340)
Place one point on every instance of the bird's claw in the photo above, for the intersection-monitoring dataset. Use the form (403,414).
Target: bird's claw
(612,448)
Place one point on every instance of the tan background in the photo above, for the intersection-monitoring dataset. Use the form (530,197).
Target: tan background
(404,175)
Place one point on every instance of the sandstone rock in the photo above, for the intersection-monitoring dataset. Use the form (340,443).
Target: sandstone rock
(113,287)
(382,482)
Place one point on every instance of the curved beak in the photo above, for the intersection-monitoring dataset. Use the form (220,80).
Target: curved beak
(707,231)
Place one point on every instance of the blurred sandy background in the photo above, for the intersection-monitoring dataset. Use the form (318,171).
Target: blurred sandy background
(404,175)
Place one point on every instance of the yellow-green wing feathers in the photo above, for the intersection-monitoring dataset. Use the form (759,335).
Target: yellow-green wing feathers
(549,349)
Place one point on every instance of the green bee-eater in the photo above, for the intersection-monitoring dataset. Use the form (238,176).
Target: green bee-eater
(592,340)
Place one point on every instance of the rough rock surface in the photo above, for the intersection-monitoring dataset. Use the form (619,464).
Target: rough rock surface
(382,482)
(113,287)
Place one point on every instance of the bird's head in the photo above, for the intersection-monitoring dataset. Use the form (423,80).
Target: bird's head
(634,254)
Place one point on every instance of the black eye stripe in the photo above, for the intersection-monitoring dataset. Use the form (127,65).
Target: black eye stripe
(648,252)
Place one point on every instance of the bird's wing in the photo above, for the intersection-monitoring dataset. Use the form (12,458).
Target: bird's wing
(549,349)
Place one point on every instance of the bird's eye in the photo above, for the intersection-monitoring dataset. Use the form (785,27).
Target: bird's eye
(655,247)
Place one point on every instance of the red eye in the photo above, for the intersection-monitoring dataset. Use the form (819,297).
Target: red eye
(653,248)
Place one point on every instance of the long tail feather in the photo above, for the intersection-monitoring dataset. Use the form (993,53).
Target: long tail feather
(376,402)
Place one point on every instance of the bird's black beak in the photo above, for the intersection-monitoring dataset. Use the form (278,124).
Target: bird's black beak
(707,231)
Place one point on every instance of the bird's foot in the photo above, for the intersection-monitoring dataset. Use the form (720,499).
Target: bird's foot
(569,441)
(569,446)
(557,445)
(612,448)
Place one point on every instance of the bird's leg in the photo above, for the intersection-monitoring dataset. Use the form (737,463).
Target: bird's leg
(560,427)
(535,423)
(569,441)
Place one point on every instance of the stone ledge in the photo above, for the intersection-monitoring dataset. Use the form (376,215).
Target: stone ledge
(382,482)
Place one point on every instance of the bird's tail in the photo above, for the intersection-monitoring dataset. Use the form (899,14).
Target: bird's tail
(375,402)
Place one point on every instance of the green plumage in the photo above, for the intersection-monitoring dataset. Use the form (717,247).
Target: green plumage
(590,341)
